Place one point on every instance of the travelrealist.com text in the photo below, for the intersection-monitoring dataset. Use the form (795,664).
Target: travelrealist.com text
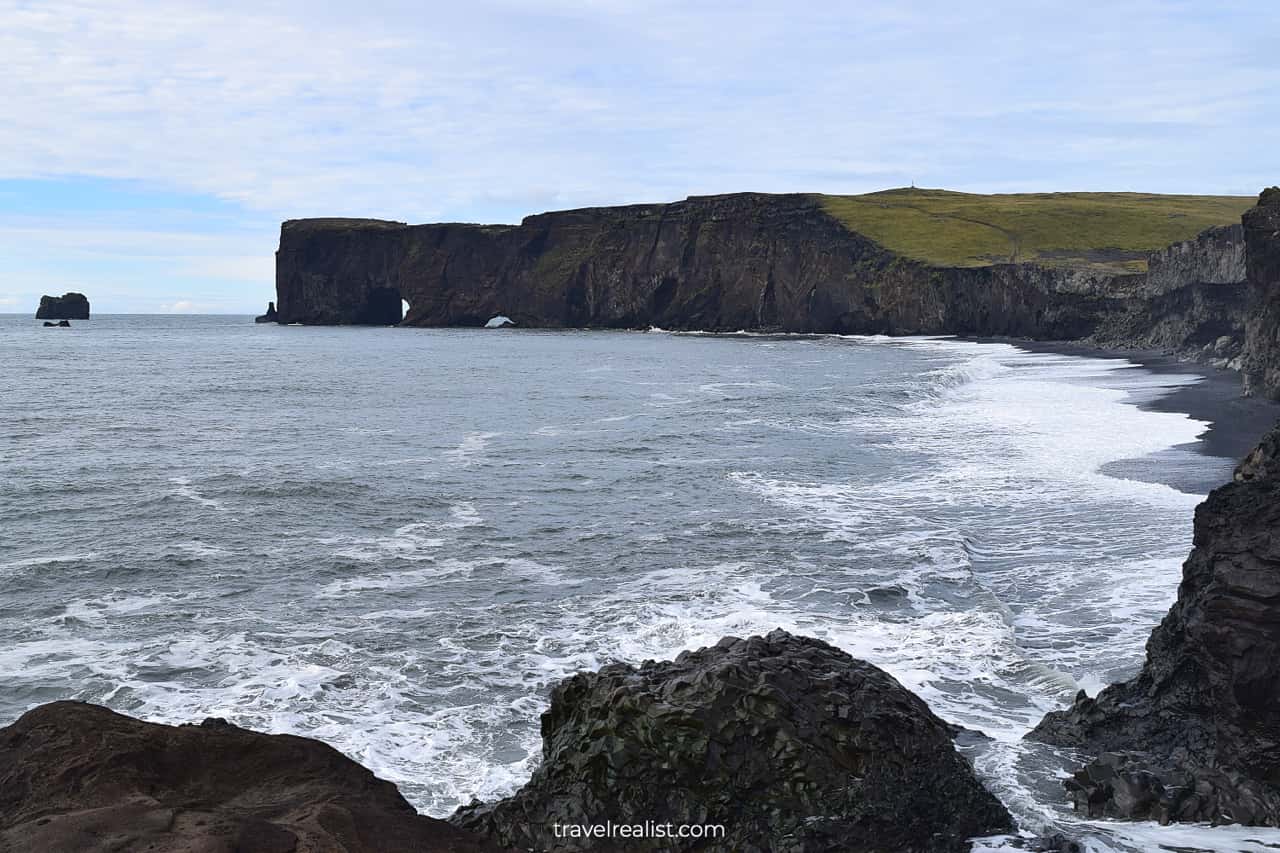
(648,829)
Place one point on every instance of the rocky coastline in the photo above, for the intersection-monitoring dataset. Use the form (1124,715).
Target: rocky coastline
(748,261)
(787,742)
(1196,734)
(784,742)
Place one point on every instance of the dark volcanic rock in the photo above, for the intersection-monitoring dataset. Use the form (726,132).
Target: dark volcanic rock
(68,306)
(788,743)
(744,261)
(1198,730)
(61,324)
(1262,327)
(269,317)
(79,778)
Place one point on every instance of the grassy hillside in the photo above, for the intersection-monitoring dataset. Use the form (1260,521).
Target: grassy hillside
(1110,231)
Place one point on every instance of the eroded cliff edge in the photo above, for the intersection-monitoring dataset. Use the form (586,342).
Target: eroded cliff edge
(1196,734)
(743,261)
(1262,323)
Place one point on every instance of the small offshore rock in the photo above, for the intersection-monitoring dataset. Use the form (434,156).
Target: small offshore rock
(68,306)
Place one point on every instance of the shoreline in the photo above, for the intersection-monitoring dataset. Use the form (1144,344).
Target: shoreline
(1235,422)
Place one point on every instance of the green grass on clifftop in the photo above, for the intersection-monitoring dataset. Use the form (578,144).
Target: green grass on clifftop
(1109,231)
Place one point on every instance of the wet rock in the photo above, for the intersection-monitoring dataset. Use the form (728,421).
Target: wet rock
(78,778)
(68,306)
(61,324)
(1142,786)
(1196,735)
(788,743)
(269,317)
(1056,843)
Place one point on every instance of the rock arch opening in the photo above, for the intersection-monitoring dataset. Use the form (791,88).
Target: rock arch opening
(383,307)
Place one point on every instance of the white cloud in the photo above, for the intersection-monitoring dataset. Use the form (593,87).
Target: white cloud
(493,109)
(497,108)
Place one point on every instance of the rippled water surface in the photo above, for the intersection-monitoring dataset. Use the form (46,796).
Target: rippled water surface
(397,539)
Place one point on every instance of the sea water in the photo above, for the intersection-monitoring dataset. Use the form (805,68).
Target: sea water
(396,540)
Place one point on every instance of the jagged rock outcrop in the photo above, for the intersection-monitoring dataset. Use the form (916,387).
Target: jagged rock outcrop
(269,317)
(77,778)
(1196,735)
(744,261)
(68,306)
(1262,326)
(788,743)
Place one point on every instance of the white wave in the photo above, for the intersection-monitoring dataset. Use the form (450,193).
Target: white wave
(16,566)
(472,446)
(464,515)
(186,490)
(196,548)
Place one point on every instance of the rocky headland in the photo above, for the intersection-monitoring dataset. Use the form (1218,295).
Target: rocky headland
(756,262)
(68,306)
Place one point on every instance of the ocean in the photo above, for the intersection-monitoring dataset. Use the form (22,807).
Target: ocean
(396,540)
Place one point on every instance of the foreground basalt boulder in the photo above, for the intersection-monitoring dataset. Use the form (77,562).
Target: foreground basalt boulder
(786,742)
(80,778)
(1196,735)
(68,306)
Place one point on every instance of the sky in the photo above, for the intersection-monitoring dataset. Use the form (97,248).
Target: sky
(149,151)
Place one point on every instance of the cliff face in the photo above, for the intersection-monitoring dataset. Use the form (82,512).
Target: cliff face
(1262,327)
(69,306)
(1196,735)
(1200,725)
(746,261)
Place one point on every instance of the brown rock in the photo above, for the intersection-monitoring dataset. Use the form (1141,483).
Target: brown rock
(79,778)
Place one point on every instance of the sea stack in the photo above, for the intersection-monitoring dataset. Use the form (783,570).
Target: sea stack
(269,317)
(68,306)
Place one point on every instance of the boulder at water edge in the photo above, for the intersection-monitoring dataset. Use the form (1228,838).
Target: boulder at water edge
(788,743)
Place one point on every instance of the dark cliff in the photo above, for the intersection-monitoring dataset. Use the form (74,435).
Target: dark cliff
(1262,328)
(69,306)
(745,261)
(1196,735)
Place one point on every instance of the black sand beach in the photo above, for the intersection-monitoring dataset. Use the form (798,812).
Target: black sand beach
(1236,422)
